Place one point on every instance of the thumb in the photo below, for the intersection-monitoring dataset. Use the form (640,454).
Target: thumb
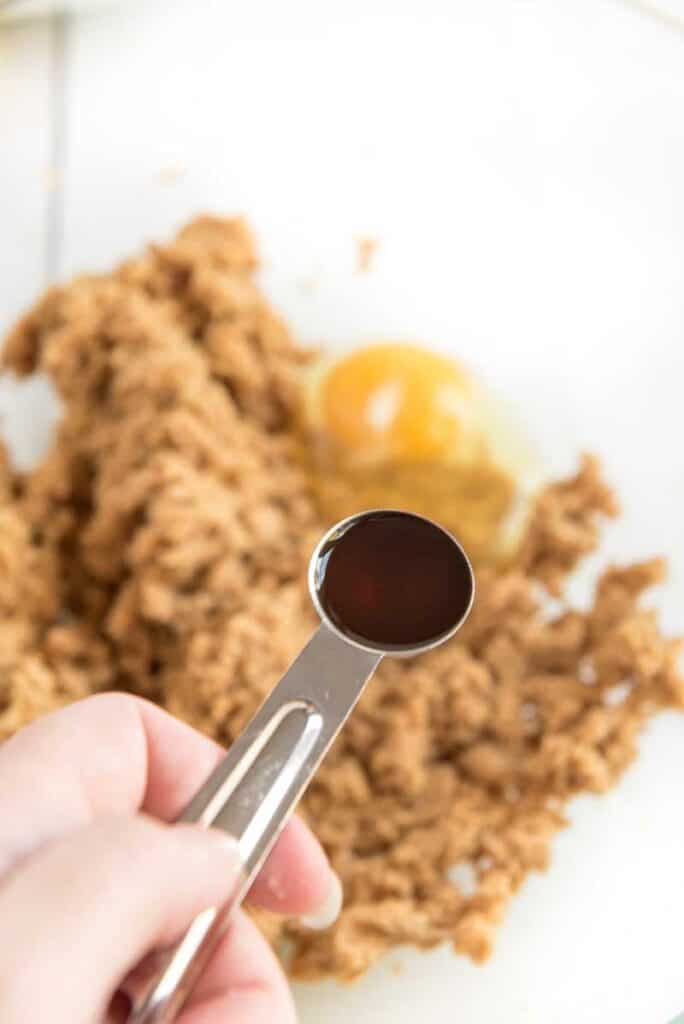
(78,915)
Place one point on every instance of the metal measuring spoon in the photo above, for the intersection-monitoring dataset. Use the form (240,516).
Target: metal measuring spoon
(382,582)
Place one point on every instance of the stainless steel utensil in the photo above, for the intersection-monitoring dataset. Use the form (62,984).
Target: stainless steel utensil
(252,792)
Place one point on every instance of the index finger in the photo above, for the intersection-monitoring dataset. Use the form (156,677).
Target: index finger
(118,754)
(109,754)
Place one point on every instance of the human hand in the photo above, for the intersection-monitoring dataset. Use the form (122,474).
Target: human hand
(91,882)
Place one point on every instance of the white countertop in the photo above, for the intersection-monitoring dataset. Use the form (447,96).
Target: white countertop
(522,165)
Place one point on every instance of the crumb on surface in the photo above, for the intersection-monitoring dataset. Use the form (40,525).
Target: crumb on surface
(307,285)
(365,254)
(161,547)
(170,175)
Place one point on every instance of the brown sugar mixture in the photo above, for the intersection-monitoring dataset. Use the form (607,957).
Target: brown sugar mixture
(161,546)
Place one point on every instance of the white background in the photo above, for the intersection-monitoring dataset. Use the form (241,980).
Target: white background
(522,165)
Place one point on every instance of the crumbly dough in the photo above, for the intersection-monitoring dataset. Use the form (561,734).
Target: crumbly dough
(161,545)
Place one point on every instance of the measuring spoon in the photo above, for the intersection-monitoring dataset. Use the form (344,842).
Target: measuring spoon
(383,582)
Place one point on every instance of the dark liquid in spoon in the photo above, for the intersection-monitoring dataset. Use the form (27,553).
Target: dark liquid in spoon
(394,580)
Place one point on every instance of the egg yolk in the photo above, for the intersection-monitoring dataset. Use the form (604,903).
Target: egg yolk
(398,426)
(400,401)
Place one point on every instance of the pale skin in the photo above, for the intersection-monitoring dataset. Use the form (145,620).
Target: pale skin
(92,879)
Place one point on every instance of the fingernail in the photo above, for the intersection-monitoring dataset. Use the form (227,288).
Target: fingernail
(329,910)
(214,837)
(226,842)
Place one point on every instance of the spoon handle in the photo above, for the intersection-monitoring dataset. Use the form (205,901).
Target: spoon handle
(253,791)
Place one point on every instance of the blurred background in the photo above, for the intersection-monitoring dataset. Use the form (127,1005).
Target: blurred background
(520,166)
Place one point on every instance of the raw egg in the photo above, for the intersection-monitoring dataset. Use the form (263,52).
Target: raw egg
(397,425)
